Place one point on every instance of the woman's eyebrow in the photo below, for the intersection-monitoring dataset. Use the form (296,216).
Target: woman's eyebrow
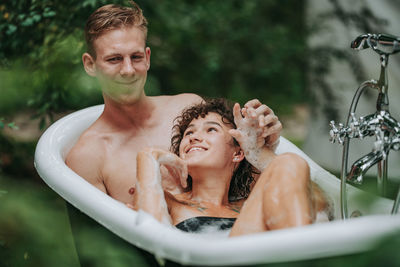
(214,123)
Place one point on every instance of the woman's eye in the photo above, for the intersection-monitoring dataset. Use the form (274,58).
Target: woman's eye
(188,133)
(211,129)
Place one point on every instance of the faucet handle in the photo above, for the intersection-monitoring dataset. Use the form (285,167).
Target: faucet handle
(335,132)
(396,143)
(354,124)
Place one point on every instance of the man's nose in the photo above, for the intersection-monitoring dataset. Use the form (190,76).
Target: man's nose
(127,67)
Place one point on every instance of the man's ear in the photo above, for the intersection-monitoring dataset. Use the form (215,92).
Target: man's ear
(89,64)
(238,156)
(148,53)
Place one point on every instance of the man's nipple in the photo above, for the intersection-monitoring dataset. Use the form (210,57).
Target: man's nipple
(131,191)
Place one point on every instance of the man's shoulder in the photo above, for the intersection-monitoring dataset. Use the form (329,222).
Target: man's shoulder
(188,97)
(89,145)
(180,101)
(86,158)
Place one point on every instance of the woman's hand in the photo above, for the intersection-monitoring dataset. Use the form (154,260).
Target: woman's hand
(267,120)
(252,130)
(174,173)
(172,168)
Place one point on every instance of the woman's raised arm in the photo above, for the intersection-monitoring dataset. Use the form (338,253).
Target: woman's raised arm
(149,195)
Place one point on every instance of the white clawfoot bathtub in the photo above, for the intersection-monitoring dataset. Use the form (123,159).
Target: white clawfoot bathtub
(309,242)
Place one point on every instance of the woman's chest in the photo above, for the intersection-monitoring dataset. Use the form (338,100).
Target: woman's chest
(184,211)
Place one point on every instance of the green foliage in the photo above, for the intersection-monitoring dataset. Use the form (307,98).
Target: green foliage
(26,26)
(234,49)
(237,49)
(40,53)
(33,226)
(3,124)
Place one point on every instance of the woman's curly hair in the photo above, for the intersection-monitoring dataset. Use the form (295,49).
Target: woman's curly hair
(242,177)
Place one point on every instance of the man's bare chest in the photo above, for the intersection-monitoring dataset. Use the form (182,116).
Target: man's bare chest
(119,168)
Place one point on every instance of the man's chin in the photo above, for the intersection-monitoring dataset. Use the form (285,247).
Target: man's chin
(125,99)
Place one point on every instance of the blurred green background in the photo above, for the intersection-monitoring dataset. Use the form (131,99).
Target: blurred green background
(236,49)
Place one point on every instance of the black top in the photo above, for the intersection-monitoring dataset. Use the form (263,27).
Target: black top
(205,223)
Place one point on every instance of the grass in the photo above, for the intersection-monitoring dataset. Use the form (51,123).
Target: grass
(34,228)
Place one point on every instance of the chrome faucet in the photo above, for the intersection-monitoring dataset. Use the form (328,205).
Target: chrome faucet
(380,124)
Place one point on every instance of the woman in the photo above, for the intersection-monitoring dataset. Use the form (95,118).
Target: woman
(221,185)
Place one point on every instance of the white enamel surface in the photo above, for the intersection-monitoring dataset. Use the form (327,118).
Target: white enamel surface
(314,241)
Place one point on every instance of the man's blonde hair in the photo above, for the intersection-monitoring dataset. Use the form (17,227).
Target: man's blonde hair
(111,17)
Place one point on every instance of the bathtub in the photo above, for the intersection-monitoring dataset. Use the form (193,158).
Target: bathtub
(320,240)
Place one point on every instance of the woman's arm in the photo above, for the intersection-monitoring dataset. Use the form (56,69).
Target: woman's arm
(149,195)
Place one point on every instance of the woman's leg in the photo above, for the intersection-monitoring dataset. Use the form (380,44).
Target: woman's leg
(281,198)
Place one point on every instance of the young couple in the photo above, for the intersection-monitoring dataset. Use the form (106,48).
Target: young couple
(105,154)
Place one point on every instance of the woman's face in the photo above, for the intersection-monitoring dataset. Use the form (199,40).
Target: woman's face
(207,143)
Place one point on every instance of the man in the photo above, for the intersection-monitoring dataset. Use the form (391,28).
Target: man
(105,154)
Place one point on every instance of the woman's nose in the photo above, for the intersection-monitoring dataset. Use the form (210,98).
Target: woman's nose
(195,137)
(127,67)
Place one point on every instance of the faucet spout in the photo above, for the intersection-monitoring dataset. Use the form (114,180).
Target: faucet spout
(362,165)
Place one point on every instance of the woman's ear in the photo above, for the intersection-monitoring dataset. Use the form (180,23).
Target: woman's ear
(89,64)
(238,156)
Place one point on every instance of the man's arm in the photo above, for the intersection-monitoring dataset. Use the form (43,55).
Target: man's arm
(86,159)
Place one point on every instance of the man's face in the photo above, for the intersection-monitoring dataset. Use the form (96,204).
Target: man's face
(121,64)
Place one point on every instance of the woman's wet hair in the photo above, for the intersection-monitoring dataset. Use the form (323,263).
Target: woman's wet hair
(243,176)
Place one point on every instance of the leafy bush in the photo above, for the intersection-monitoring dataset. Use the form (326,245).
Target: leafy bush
(237,49)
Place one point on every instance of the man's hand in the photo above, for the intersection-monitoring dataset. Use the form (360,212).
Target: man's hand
(267,120)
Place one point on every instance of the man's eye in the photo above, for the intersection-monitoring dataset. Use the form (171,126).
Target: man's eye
(137,58)
(114,59)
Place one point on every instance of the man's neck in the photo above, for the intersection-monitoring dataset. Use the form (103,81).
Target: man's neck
(132,115)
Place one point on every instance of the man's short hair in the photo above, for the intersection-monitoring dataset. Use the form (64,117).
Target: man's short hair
(111,17)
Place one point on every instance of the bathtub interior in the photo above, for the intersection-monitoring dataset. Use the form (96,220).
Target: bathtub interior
(319,240)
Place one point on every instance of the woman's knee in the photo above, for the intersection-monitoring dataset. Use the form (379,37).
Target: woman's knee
(290,165)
